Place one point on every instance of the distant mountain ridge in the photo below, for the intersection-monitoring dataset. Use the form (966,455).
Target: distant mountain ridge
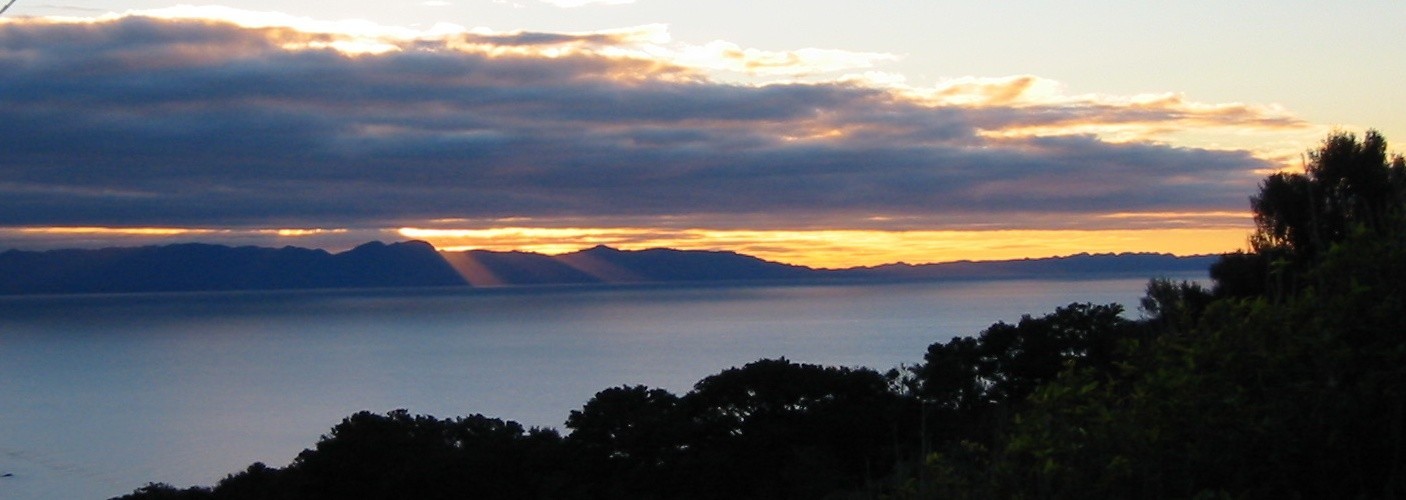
(602,264)
(1072,265)
(206,267)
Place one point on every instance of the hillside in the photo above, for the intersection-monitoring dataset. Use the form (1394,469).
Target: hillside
(204,267)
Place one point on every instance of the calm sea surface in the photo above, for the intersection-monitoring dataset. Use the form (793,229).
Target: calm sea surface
(101,394)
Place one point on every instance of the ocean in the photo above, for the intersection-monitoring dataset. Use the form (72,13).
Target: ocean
(102,394)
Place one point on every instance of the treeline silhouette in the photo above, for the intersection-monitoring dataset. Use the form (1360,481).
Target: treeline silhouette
(1286,378)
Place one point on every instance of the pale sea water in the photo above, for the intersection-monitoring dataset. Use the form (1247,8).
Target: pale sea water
(102,394)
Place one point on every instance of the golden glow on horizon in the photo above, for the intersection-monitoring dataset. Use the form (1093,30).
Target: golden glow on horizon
(815,248)
(846,248)
(546,240)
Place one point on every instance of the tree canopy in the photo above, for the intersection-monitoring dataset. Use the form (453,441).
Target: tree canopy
(1348,186)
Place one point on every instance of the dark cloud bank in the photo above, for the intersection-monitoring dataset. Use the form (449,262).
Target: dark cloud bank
(145,122)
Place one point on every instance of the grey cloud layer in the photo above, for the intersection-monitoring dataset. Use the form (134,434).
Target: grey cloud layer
(140,121)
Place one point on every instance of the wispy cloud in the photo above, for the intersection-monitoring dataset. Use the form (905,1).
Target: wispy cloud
(728,56)
(203,117)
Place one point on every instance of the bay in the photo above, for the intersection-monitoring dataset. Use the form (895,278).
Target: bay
(101,394)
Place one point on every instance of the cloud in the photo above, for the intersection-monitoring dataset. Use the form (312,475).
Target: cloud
(728,56)
(185,118)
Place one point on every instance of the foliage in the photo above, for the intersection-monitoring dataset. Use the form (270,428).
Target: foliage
(1170,307)
(777,429)
(1347,186)
(163,491)
(974,388)
(399,455)
(1005,362)
(1295,398)
(628,443)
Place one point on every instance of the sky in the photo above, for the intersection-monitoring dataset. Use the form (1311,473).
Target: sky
(829,134)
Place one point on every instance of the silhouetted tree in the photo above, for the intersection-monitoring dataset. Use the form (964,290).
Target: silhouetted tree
(777,429)
(398,455)
(954,375)
(1347,185)
(257,482)
(163,491)
(1170,306)
(1006,362)
(1242,274)
(629,442)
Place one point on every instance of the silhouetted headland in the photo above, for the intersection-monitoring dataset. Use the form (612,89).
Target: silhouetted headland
(205,267)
